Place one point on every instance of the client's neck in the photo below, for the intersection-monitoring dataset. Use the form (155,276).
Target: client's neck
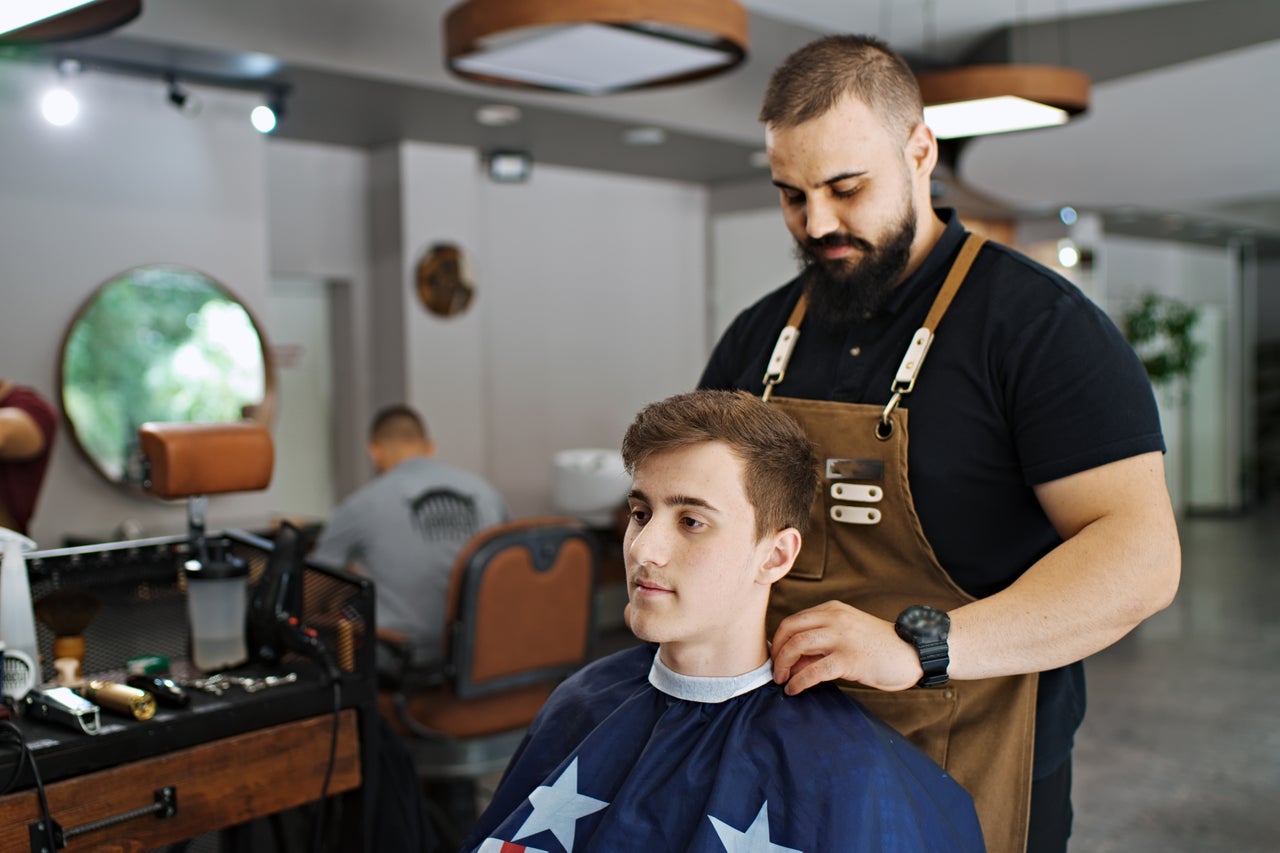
(714,660)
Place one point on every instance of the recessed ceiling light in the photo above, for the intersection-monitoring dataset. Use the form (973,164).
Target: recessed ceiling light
(645,136)
(498,115)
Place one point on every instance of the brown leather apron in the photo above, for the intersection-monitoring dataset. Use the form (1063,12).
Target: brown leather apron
(865,547)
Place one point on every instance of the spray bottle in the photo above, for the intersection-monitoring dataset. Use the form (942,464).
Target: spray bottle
(17,616)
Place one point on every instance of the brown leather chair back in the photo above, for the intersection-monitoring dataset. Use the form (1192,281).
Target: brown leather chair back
(520,606)
(519,618)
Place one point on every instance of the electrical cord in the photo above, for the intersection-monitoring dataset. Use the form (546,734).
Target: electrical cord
(335,680)
(11,736)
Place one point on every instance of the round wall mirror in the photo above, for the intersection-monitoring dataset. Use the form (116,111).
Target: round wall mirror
(158,343)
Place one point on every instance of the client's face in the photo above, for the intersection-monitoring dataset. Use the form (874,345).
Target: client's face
(693,561)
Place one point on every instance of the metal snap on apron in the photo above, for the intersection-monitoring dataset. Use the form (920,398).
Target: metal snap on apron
(865,547)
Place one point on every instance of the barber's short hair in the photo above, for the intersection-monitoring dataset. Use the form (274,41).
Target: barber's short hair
(397,422)
(780,469)
(813,79)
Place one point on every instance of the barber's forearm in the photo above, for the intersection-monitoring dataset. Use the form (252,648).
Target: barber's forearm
(1080,598)
(20,438)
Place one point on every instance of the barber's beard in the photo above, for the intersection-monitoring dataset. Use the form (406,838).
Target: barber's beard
(842,292)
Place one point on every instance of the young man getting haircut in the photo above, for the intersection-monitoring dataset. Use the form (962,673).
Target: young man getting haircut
(694,747)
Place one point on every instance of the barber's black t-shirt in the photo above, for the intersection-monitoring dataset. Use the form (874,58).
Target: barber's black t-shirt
(1026,381)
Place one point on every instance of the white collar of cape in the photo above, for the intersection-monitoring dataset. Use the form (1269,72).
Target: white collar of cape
(708,689)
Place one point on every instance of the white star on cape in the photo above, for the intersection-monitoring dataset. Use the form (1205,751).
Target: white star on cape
(753,839)
(557,807)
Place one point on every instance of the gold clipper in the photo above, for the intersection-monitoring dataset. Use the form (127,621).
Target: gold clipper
(120,698)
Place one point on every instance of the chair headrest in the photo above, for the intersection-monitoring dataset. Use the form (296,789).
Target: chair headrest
(188,459)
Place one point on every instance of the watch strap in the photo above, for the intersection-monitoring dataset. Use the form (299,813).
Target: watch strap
(934,660)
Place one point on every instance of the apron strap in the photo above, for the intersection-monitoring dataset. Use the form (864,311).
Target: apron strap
(783,348)
(910,367)
(905,380)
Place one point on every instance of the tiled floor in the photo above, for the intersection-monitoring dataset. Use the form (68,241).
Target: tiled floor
(1180,750)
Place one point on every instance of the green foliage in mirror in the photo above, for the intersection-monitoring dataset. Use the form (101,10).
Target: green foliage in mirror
(158,343)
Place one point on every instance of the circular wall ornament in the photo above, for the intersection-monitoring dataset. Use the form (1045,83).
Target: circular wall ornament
(443,282)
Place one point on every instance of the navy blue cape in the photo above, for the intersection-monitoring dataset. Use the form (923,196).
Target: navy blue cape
(614,763)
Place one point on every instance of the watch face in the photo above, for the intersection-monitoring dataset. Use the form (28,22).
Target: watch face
(924,623)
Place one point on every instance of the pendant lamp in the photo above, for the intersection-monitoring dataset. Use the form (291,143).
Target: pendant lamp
(978,100)
(594,47)
(61,20)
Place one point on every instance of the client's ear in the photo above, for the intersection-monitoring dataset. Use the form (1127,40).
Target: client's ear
(785,547)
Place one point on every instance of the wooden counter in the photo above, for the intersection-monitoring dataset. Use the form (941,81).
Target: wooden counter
(218,784)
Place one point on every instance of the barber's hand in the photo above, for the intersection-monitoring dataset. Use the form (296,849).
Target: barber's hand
(833,641)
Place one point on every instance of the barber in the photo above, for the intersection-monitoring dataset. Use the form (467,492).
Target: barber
(27,427)
(953,583)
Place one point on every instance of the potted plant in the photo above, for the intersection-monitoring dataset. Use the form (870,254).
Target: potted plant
(1159,329)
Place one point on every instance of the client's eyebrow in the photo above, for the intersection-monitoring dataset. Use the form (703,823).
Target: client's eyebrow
(673,500)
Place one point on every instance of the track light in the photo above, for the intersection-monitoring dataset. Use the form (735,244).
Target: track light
(186,102)
(265,116)
(59,106)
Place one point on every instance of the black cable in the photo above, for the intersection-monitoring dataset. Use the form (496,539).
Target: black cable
(11,735)
(317,844)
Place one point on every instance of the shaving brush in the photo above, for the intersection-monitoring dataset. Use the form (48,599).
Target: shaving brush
(68,612)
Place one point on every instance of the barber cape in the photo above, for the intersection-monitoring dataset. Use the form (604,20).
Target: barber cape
(629,755)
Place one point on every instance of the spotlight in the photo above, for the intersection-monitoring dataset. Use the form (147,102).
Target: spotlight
(1068,254)
(184,101)
(59,107)
(263,118)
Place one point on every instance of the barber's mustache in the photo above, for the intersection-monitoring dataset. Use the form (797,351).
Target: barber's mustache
(837,239)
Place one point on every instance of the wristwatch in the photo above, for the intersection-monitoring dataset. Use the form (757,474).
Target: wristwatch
(927,629)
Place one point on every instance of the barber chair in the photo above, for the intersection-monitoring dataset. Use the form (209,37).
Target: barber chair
(519,619)
(294,610)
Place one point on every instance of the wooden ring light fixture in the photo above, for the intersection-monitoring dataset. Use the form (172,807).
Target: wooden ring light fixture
(716,29)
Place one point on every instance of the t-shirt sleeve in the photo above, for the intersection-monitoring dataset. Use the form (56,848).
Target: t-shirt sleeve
(1078,394)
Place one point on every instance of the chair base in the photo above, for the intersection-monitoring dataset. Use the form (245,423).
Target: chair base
(467,758)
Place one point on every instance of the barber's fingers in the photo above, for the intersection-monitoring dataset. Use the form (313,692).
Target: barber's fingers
(809,633)
(811,670)
(835,641)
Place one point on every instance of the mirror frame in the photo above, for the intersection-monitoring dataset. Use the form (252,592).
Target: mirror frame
(263,412)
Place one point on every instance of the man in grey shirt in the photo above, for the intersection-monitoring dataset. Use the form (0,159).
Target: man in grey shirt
(405,528)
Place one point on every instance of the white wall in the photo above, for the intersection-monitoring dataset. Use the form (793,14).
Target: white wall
(130,182)
(589,304)
(596,306)
(318,224)
(752,253)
